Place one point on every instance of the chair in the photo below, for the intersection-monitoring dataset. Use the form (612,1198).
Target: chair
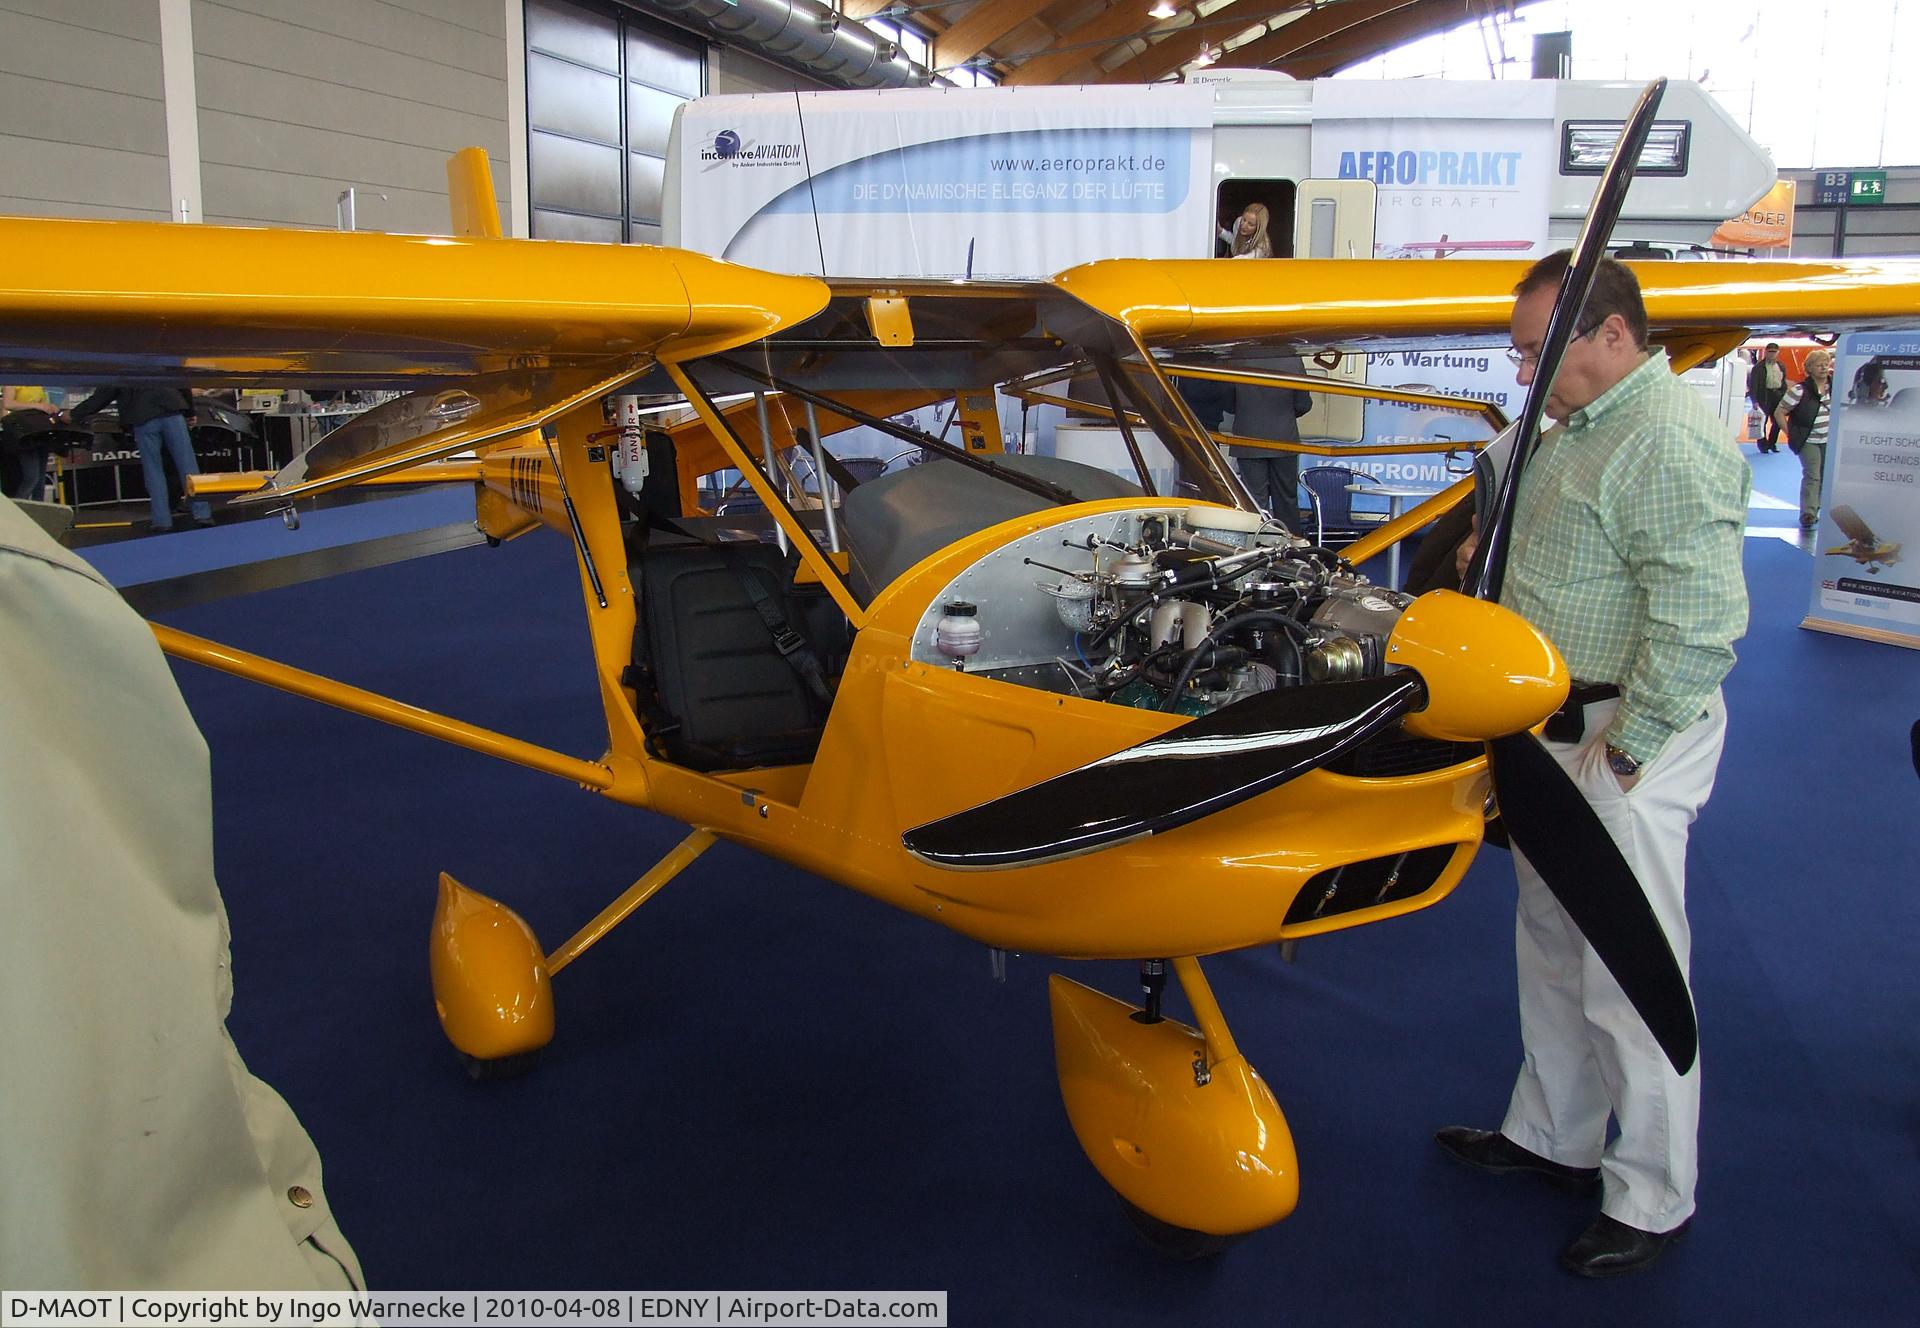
(1335,523)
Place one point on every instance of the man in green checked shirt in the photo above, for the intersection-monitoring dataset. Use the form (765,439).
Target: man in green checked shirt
(1626,554)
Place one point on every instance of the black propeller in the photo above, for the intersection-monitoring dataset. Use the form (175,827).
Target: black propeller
(1550,822)
(1256,744)
(1220,759)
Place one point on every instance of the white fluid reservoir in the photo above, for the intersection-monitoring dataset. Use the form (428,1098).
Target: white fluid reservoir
(957,634)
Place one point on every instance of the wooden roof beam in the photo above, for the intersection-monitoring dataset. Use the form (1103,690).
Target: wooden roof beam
(1165,57)
(982,26)
(1335,51)
(1120,20)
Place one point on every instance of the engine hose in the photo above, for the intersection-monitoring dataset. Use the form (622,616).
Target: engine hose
(1220,629)
(1112,685)
(1127,615)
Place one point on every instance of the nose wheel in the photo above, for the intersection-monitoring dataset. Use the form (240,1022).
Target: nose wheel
(1183,1244)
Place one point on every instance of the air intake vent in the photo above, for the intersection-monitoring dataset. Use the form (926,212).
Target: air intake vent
(1395,754)
(1374,881)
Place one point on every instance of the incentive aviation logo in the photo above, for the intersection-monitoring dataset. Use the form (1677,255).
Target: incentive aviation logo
(727,148)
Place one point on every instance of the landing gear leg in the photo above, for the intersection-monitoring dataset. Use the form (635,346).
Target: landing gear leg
(492,982)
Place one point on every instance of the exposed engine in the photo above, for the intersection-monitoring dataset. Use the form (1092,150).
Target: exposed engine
(1184,611)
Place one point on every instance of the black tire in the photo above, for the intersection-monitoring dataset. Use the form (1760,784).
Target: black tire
(1172,1242)
(482,1071)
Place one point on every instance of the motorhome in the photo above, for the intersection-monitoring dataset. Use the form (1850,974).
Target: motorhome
(1008,183)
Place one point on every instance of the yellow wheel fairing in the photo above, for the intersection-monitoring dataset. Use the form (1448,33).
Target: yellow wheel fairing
(490,983)
(1213,1156)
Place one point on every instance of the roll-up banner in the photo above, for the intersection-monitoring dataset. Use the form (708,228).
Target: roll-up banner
(1865,583)
(1462,172)
(971,183)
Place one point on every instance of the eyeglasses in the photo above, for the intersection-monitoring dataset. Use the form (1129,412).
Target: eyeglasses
(1521,358)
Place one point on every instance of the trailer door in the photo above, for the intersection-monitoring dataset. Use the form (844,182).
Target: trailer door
(1334,219)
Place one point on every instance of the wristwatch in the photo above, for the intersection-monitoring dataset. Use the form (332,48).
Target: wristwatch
(1622,763)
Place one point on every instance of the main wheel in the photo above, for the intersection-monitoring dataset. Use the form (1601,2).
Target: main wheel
(483,1071)
(1182,1243)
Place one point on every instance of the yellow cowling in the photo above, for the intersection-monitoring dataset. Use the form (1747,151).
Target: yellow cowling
(1215,1157)
(490,983)
(1488,671)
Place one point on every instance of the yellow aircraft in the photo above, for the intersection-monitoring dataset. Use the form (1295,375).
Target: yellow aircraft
(1164,729)
(1863,546)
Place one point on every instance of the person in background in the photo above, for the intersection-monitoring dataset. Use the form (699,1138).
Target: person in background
(157,417)
(1626,553)
(1766,384)
(136,1149)
(1248,238)
(1802,412)
(1210,401)
(26,413)
(1273,478)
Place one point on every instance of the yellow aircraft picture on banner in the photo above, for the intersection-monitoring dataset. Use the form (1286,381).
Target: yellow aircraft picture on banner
(1168,729)
(1863,546)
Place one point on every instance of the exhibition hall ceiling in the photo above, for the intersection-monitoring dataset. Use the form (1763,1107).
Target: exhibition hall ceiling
(1139,41)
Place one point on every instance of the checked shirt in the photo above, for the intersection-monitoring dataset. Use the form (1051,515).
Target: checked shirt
(1626,551)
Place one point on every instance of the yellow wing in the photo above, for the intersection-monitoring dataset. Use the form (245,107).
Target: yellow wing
(1355,302)
(223,304)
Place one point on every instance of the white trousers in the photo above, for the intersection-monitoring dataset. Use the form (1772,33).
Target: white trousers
(1588,1055)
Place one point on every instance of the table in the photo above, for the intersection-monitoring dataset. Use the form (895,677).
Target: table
(1396,496)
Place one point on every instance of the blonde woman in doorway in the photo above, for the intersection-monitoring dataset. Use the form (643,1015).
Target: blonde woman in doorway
(1248,238)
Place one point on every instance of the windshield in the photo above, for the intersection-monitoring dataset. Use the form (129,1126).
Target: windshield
(865,398)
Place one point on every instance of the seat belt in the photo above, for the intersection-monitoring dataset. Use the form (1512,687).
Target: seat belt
(792,646)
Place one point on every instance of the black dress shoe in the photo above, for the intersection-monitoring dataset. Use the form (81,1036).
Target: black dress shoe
(1609,1248)
(1490,1150)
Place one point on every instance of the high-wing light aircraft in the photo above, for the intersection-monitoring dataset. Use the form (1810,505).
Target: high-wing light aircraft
(1863,546)
(1167,730)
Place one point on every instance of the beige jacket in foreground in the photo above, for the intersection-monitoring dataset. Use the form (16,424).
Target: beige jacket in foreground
(136,1151)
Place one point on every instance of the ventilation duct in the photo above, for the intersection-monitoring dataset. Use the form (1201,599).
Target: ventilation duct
(803,36)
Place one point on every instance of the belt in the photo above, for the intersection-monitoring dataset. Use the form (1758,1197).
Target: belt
(1569,722)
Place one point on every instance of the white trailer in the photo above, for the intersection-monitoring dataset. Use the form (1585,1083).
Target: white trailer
(1025,182)
(905,182)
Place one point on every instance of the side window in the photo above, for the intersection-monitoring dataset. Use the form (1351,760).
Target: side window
(1236,196)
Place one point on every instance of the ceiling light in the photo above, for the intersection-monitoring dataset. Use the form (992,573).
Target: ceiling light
(1162,9)
(1208,54)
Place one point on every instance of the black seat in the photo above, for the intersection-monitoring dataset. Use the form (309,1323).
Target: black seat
(716,691)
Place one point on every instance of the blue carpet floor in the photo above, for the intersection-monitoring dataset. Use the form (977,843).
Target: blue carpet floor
(763,1081)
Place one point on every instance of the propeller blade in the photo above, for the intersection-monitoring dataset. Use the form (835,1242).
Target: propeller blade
(1490,559)
(1218,760)
(1552,823)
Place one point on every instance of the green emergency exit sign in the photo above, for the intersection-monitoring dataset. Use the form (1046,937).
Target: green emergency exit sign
(1866,187)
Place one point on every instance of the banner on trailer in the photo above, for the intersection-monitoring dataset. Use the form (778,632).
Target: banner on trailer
(1462,171)
(1766,228)
(992,183)
(1865,582)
